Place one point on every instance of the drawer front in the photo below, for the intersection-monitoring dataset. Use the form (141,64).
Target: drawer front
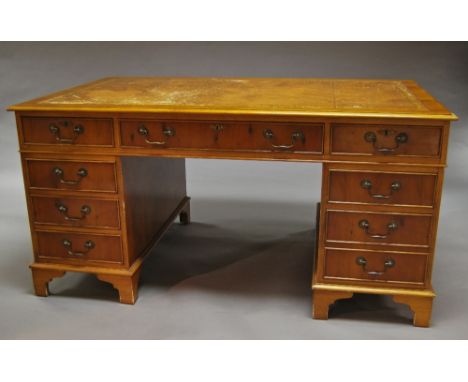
(375,266)
(222,136)
(79,247)
(382,188)
(76,212)
(386,140)
(180,135)
(71,175)
(68,131)
(378,228)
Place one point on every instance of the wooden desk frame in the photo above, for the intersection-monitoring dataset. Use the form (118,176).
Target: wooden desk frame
(142,221)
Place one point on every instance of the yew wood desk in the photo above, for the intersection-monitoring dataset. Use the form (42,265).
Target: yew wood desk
(104,173)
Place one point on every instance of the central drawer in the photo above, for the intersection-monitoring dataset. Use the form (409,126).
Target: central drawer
(378,228)
(79,247)
(240,136)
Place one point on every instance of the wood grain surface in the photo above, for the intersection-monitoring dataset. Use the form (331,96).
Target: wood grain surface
(304,96)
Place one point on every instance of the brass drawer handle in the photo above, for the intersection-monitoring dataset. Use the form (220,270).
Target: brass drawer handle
(389,263)
(367,185)
(55,130)
(82,172)
(88,245)
(167,131)
(63,209)
(364,224)
(295,136)
(371,137)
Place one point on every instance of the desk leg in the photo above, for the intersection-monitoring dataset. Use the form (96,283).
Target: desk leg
(42,278)
(322,299)
(421,307)
(184,215)
(126,285)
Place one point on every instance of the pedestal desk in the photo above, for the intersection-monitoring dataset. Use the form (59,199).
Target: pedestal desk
(104,173)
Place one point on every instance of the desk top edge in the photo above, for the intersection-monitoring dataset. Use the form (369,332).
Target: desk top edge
(314,97)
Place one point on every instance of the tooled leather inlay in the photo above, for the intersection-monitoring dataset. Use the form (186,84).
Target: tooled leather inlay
(246,94)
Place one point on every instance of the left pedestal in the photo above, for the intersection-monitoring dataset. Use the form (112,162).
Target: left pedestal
(95,213)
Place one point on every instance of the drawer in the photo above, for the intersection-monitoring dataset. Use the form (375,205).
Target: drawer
(68,131)
(375,228)
(386,140)
(78,247)
(75,212)
(375,266)
(222,136)
(382,188)
(71,175)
